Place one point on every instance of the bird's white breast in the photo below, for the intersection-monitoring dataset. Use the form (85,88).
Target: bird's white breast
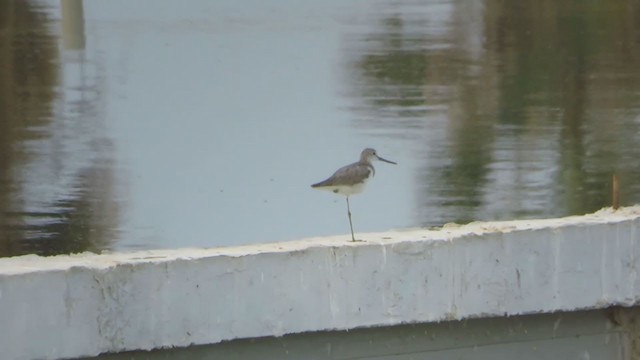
(351,190)
(346,190)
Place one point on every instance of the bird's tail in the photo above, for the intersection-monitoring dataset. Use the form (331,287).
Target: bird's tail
(321,184)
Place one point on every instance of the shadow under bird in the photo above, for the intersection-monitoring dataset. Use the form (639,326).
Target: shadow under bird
(351,179)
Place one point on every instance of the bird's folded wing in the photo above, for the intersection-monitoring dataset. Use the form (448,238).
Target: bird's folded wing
(350,175)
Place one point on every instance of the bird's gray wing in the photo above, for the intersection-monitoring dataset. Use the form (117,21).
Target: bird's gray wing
(349,175)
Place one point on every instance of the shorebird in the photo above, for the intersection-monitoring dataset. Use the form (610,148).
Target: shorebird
(350,180)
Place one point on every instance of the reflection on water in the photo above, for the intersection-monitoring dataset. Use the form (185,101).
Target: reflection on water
(166,126)
(55,166)
(525,109)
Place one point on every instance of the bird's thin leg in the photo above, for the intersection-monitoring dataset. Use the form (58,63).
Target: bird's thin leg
(350,223)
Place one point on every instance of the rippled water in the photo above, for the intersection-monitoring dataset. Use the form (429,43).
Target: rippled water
(148,124)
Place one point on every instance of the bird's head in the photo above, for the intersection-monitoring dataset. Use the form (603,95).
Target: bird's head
(370,154)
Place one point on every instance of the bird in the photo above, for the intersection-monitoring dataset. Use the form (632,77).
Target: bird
(351,179)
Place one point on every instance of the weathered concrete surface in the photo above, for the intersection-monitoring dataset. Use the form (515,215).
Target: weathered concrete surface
(580,335)
(83,305)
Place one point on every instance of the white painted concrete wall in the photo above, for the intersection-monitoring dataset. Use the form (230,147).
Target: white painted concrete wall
(82,305)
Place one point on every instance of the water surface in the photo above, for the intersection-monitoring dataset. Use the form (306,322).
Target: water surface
(149,124)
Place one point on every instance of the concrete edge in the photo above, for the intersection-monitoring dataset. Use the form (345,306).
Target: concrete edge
(87,304)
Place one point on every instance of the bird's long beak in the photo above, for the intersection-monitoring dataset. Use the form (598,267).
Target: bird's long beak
(385,160)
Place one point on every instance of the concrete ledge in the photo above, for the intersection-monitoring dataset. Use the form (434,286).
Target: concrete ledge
(86,304)
(578,335)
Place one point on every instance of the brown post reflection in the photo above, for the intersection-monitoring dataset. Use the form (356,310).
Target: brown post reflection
(28,54)
(51,202)
(72,24)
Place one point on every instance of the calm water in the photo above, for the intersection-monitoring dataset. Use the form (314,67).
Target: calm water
(147,124)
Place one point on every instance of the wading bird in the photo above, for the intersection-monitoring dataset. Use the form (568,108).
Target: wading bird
(350,180)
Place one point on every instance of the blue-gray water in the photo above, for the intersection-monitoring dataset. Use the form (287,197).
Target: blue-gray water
(146,124)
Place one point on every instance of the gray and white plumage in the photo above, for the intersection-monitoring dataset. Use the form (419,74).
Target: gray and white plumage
(351,179)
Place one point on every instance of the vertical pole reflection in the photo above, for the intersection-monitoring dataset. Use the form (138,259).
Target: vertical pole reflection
(72,25)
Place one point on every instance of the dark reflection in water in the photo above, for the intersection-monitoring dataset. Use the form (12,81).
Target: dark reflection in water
(55,173)
(507,109)
(528,107)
